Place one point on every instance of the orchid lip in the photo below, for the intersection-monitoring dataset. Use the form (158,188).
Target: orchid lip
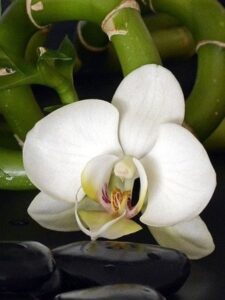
(93,234)
(113,192)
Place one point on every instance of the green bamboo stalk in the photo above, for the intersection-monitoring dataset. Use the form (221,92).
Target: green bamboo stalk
(15,23)
(175,42)
(216,141)
(160,21)
(12,173)
(7,139)
(19,109)
(170,42)
(58,10)
(136,47)
(91,36)
(205,19)
(196,15)
(17,105)
(17,15)
(94,39)
(96,11)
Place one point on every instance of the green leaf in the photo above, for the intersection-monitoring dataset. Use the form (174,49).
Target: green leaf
(68,49)
(52,55)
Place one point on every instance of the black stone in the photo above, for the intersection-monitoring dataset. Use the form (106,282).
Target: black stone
(14,296)
(113,292)
(49,288)
(28,268)
(87,264)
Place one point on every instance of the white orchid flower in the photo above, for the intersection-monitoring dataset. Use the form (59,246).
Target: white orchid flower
(85,157)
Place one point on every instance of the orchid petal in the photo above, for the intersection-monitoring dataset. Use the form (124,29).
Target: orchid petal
(191,237)
(57,149)
(181,178)
(96,220)
(143,189)
(96,176)
(53,214)
(147,97)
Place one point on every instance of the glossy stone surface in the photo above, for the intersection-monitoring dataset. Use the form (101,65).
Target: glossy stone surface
(86,264)
(26,266)
(113,292)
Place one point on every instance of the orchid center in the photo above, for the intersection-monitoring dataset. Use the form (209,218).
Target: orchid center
(117,193)
(108,182)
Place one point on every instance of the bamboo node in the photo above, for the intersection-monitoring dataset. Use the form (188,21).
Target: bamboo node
(209,42)
(35,7)
(108,25)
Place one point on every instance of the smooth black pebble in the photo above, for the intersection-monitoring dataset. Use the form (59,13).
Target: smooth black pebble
(27,268)
(113,292)
(87,264)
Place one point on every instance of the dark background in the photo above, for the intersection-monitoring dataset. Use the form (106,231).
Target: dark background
(207,279)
